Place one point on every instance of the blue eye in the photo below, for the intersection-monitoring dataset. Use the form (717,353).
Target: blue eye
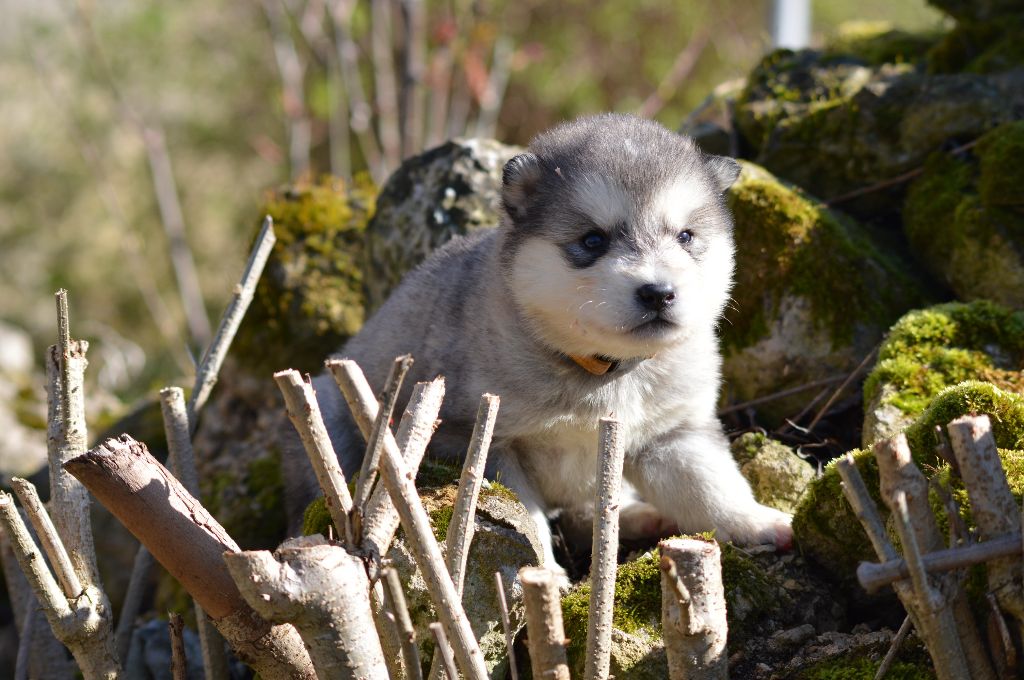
(685,237)
(594,240)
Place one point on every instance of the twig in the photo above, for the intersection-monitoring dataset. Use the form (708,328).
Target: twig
(141,568)
(398,481)
(385,90)
(304,412)
(610,457)
(1002,647)
(892,181)
(873,576)
(323,591)
(930,597)
(693,609)
(190,544)
(52,545)
(894,648)
(782,394)
(506,625)
(396,600)
(982,472)
(443,650)
(179,664)
(66,439)
(182,460)
(681,68)
(213,359)
(381,519)
(381,424)
(842,387)
(461,527)
(864,508)
(544,629)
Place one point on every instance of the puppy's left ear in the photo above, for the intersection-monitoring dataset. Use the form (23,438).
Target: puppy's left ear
(519,182)
(723,170)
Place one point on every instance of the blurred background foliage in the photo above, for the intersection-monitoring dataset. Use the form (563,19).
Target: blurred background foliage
(117,114)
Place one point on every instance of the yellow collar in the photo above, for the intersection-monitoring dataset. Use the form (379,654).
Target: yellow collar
(594,365)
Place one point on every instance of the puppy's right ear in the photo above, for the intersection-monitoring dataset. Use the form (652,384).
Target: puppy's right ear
(519,183)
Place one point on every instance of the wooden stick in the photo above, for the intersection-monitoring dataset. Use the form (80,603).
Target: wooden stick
(381,424)
(781,394)
(905,491)
(304,412)
(873,576)
(506,625)
(141,568)
(604,556)
(209,367)
(396,600)
(462,525)
(693,609)
(399,483)
(992,505)
(183,462)
(443,650)
(894,648)
(842,387)
(52,545)
(864,507)
(544,629)
(189,543)
(66,439)
(323,591)
(381,519)
(179,663)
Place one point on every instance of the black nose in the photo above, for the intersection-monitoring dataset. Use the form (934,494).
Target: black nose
(655,296)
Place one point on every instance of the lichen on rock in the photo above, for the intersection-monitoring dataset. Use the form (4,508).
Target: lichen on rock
(795,259)
(776,474)
(310,297)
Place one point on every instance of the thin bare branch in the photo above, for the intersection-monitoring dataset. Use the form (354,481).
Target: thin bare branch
(410,98)
(544,629)
(52,545)
(179,663)
(292,69)
(213,359)
(864,508)
(781,394)
(396,601)
(894,648)
(141,568)
(842,388)
(443,650)
(506,625)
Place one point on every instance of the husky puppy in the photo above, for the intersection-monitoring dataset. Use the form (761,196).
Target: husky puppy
(597,296)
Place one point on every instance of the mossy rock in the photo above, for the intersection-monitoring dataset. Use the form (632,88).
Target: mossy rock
(963,218)
(980,47)
(825,527)
(776,474)
(976,11)
(931,349)
(876,42)
(310,297)
(451,190)
(795,259)
(835,124)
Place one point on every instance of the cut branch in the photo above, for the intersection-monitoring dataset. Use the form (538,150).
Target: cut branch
(51,543)
(506,625)
(544,630)
(400,610)
(604,557)
(324,592)
(189,543)
(399,483)
(304,412)
(179,664)
(693,609)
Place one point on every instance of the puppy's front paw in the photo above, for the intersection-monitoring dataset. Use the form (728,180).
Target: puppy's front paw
(759,525)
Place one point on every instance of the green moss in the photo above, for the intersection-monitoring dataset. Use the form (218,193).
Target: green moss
(999,155)
(876,43)
(750,594)
(434,474)
(979,47)
(499,490)
(931,349)
(637,605)
(256,519)
(316,519)
(440,519)
(805,250)
(864,669)
(310,298)
(825,527)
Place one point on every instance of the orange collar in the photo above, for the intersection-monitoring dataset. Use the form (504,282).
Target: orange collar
(594,365)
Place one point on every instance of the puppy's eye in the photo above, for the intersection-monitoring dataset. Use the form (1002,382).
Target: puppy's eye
(594,240)
(685,237)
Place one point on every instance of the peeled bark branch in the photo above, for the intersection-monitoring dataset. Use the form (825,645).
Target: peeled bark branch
(51,543)
(693,610)
(304,412)
(189,543)
(399,483)
(544,629)
(864,507)
(506,625)
(992,505)
(604,557)
(323,591)
(400,610)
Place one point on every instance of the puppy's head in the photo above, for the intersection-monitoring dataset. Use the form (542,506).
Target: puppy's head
(617,240)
